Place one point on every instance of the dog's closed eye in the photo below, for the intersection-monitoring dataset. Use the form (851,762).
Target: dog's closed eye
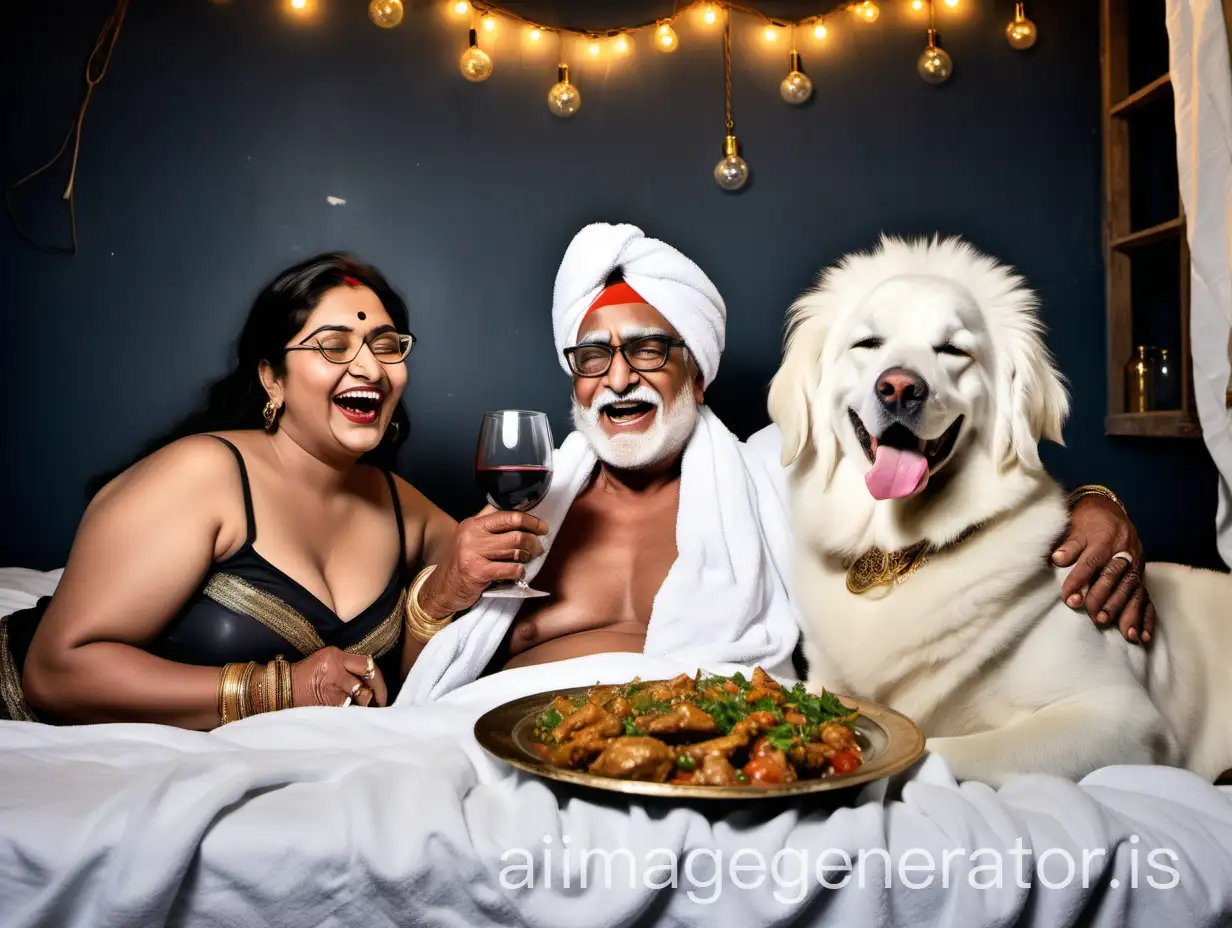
(953,350)
(871,342)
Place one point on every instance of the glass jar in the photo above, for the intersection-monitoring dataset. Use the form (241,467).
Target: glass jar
(1165,380)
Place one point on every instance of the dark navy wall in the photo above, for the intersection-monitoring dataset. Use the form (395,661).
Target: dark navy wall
(222,128)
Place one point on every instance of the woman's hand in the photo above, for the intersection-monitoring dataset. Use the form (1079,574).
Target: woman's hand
(1103,579)
(331,677)
(490,546)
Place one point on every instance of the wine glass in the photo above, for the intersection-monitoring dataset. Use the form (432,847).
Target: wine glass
(513,467)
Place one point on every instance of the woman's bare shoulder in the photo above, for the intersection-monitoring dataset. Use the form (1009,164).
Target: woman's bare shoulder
(193,468)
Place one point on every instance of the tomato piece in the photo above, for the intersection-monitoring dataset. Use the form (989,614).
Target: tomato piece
(731,687)
(846,761)
(540,749)
(762,771)
(682,777)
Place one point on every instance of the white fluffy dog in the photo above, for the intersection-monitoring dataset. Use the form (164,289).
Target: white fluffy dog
(913,394)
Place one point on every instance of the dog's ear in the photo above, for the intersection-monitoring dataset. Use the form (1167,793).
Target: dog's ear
(1032,402)
(791,391)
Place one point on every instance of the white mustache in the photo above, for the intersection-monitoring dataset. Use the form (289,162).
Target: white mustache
(639,394)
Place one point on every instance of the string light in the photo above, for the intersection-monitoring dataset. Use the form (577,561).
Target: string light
(488,21)
(301,8)
(535,34)
(593,48)
(475,63)
(917,5)
(665,37)
(771,33)
(935,64)
(952,4)
(564,98)
(819,30)
(867,11)
(461,8)
(1021,32)
(385,13)
(621,44)
(709,14)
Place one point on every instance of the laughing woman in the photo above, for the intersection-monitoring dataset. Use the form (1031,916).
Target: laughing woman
(264,556)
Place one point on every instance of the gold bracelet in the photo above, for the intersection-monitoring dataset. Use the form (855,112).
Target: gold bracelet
(246,707)
(230,692)
(284,677)
(420,625)
(1094,489)
(271,688)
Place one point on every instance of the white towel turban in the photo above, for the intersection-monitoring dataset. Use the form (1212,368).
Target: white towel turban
(665,278)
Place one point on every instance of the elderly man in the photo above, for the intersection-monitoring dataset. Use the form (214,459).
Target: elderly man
(662,532)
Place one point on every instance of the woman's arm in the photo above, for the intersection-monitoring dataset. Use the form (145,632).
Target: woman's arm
(434,527)
(143,547)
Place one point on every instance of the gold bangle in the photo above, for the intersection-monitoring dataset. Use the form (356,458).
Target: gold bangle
(231,692)
(420,625)
(271,688)
(245,690)
(1094,489)
(284,676)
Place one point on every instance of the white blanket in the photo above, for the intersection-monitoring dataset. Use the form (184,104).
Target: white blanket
(725,598)
(396,817)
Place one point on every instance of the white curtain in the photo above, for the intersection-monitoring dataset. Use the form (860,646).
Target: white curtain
(1202,84)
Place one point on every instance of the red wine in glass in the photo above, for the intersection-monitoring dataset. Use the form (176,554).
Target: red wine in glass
(516,486)
(513,467)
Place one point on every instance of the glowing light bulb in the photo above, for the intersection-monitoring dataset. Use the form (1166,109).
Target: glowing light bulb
(665,38)
(952,4)
(935,65)
(461,8)
(1021,32)
(732,172)
(820,31)
(770,33)
(917,5)
(475,63)
(621,44)
(710,15)
(536,34)
(385,13)
(564,99)
(593,48)
(299,7)
(488,21)
(867,11)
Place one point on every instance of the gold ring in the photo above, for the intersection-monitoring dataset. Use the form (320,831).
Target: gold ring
(371,669)
(355,689)
(1125,556)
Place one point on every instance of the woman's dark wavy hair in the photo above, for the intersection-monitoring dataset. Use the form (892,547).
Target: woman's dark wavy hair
(236,400)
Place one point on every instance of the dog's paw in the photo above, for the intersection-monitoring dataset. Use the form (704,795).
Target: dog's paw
(967,761)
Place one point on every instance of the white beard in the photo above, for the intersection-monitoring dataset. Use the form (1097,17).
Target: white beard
(666,437)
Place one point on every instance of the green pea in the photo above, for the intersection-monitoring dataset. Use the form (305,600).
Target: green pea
(686,763)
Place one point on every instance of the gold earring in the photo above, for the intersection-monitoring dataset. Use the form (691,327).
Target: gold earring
(270,414)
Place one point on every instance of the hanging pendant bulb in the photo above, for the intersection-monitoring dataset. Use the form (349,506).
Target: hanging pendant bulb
(935,64)
(564,98)
(732,172)
(475,63)
(385,13)
(796,87)
(1021,32)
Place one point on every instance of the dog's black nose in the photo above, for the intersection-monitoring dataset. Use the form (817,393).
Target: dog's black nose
(902,392)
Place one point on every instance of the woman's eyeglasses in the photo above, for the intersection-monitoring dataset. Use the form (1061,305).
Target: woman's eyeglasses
(344,347)
(643,354)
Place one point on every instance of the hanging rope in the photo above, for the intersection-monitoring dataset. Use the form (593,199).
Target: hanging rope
(105,46)
(727,93)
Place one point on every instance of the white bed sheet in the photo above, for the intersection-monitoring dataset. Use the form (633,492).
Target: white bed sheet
(396,817)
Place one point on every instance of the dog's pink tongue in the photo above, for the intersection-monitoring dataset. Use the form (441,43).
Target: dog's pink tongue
(896,473)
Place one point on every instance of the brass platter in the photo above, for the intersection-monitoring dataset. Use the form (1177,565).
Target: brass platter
(890,743)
